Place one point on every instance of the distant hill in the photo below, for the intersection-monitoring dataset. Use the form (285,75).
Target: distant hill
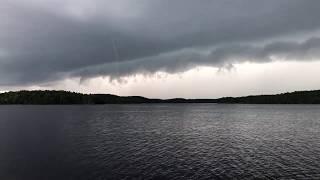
(65,97)
(298,97)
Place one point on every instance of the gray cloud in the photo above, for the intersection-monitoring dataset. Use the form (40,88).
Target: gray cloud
(220,57)
(53,39)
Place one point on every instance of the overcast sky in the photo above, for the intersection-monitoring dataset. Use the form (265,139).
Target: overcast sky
(160,48)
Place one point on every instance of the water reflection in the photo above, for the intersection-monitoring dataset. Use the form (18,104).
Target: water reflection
(199,141)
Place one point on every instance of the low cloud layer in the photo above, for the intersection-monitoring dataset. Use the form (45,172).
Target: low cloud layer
(221,57)
(49,40)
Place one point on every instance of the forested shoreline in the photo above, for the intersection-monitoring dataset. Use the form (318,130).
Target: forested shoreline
(65,97)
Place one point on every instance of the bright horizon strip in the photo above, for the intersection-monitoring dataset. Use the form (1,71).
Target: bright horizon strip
(202,82)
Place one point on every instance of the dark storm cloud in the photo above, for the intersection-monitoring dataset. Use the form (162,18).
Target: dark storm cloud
(50,40)
(223,57)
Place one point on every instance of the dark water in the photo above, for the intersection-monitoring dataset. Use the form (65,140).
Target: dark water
(160,142)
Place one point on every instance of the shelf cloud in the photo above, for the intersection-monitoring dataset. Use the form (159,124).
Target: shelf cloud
(49,40)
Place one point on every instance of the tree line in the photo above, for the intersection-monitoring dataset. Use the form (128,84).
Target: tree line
(65,97)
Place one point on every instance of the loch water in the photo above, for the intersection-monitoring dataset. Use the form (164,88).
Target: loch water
(160,141)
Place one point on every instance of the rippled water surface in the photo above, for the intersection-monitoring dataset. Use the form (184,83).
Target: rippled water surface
(192,141)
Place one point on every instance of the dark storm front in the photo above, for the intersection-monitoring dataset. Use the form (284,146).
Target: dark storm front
(191,141)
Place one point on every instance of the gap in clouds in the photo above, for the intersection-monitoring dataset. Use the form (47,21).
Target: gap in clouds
(202,82)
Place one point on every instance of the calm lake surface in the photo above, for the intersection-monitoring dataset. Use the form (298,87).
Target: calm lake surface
(168,141)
